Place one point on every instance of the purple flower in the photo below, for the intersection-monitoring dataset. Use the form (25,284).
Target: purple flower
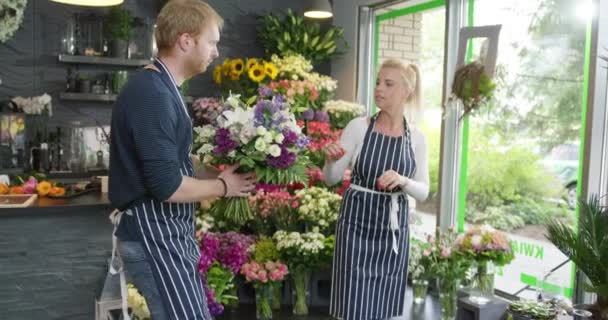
(285,160)
(321,116)
(210,246)
(289,138)
(265,91)
(223,142)
(215,308)
(308,114)
(302,142)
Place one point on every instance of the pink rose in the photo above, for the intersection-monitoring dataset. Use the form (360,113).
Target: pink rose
(275,275)
(426,253)
(270,266)
(446,252)
(262,276)
(282,268)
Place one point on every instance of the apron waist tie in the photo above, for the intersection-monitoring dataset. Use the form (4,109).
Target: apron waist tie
(394,210)
(116,265)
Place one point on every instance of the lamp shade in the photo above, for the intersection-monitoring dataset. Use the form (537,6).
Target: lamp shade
(91,3)
(318,9)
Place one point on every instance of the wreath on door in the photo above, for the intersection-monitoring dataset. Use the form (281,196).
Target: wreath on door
(11,16)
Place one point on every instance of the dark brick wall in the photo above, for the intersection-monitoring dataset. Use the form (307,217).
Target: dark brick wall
(52,264)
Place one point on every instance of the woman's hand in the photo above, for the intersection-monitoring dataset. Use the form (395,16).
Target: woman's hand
(390,180)
(333,152)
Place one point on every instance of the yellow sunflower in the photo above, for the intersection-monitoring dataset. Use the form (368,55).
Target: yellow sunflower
(251,62)
(236,68)
(217,75)
(257,73)
(271,70)
(226,66)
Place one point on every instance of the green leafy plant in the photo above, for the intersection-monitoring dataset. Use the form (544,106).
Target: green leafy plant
(532,310)
(293,35)
(118,23)
(588,249)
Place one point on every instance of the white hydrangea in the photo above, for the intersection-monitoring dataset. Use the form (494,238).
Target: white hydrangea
(318,206)
(310,243)
(341,106)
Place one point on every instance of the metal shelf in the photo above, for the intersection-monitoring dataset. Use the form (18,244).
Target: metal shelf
(104,60)
(77,96)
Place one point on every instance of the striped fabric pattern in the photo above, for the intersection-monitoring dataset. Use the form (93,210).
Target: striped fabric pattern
(167,232)
(368,277)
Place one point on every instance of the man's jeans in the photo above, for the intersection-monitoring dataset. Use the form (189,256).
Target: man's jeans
(139,271)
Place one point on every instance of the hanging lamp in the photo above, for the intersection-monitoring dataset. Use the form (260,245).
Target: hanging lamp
(318,9)
(91,3)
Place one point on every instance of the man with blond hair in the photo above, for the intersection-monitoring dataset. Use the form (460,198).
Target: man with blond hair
(152,176)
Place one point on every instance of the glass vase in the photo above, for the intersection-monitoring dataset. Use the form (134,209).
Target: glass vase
(448,297)
(263,302)
(277,296)
(301,280)
(483,282)
(420,288)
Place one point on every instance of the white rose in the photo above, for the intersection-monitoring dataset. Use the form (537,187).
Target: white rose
(261,131)
(279,138)
(274,150)
(260,145)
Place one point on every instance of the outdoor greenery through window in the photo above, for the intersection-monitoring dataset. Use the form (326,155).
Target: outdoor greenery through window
(523,147)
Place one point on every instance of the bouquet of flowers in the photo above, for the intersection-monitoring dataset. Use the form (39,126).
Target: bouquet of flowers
(486,244)
(266,273)
(296,67)
(264,139)
(301,95)
(419,263)
(319,207)
(239,75)
(275,209)
(137,303)
(487,247)
(302,252)
(342,112)
(206,110)
(320,135)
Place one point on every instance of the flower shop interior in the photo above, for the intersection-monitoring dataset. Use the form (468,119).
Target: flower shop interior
(514,115)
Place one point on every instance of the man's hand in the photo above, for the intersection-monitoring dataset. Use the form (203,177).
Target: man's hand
(237,185)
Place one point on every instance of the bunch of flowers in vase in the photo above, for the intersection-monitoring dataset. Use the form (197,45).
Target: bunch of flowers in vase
(449,266)
(321,135)
(274,210)
(299,94)
(342,112)
(301,252)
(419,269)
(319,208)
(220,288)
(264,139)
(266,273)
(243,75)
(488,248)
(296,67)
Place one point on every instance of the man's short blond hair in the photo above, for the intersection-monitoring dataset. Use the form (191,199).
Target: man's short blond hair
(183,16)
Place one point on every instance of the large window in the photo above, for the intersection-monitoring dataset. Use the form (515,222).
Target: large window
(520,165)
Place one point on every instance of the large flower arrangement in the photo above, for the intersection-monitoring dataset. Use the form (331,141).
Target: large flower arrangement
(486,244)
(264,139)
(11,18)
(342,112)
(319,208)
(243,75)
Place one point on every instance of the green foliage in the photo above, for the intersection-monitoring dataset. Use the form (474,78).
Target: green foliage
(587,248)
(292,35)
(118,23)
(220,280)
(533,310)
(497,217)
(265,250)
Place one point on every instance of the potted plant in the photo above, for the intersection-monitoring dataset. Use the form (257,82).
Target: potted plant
(531,310)
(117,28)
(587,247)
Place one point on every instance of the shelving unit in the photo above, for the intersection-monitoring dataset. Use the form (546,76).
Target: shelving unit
(77,96)
(103,60)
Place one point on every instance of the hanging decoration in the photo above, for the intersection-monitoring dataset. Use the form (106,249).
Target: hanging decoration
(11,16)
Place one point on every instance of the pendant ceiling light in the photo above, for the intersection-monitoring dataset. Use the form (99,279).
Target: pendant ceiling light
(318,9)
(91,3)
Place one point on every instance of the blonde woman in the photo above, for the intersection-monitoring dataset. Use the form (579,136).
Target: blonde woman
(388,159)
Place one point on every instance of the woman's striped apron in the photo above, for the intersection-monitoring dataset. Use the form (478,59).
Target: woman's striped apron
(372,238)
